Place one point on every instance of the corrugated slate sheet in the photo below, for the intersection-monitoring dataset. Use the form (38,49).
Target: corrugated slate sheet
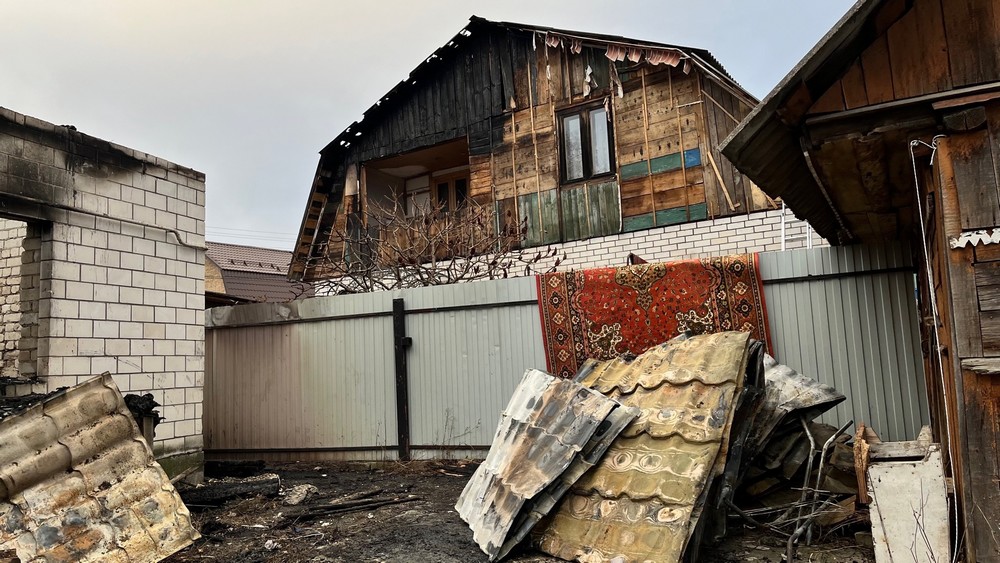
(643,500)
(78,483)
(551,427)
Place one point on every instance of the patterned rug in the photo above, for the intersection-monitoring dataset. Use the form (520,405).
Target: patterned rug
(605,312)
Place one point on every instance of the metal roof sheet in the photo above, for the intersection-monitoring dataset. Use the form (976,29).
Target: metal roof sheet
(642,501)
(78,483)
(544,433)
(244,258)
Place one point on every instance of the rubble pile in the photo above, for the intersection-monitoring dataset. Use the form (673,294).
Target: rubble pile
(722,430)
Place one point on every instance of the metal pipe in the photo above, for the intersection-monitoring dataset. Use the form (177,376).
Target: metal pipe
(819,474)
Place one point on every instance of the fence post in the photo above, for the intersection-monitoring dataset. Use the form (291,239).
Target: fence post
(400,343)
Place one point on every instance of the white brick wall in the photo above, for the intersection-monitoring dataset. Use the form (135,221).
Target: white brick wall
(12,235)
(757,232)
(117,288)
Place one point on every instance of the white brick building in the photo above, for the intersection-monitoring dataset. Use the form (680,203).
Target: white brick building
(102,255)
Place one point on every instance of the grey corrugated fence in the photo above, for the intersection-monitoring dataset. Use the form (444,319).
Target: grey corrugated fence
(316,379)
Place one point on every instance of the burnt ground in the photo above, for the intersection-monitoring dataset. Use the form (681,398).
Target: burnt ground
(423,528)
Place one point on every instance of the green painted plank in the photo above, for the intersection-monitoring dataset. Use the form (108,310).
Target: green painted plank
(698,211)
(527,209)
(634,170)
(671,216)
(574,219)
(637,223)
(550,216)
(666,163)
(605,208)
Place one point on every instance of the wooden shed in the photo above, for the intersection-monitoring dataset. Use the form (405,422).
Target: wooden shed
(890,128)
(576,135)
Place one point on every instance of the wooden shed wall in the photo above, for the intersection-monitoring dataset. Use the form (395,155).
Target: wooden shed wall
(967,196)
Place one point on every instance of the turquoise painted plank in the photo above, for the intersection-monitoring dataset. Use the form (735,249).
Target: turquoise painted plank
(634,170)
(574,214)
(698,211)
(666,163)
(638,223)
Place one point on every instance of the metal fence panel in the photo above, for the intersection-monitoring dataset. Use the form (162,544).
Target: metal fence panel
(847,316)
(465,363)
(312,384)
(315,379)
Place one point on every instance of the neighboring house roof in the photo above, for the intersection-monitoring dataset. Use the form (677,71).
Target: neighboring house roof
(253,273)
(325,193)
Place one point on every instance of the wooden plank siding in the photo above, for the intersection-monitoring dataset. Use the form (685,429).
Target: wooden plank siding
(967,200)
(503,91)
(925,48)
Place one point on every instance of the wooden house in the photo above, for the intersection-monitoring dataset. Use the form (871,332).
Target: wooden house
(890,128)
(577,135)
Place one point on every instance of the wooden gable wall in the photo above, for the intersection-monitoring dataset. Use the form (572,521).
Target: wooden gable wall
(667,127)
(503,90)
(921,47)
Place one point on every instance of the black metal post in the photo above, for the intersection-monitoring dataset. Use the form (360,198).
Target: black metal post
(401,342)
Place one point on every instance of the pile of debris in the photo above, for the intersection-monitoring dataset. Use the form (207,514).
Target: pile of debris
(695,430)
(79,483)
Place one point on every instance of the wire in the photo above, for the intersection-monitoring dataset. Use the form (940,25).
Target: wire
(934,313)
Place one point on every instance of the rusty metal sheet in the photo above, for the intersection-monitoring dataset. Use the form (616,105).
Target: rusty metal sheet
(552,431)
(642,501)
(78,483)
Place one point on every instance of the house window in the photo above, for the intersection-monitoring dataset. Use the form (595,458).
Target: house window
(450,194)
(585,145)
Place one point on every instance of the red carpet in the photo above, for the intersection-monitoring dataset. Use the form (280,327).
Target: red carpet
(605,312)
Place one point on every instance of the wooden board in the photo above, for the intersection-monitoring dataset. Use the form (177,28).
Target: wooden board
(973,34)
(975,180)
(964,305)
(918,51)
(638,205)
(878,72)
(853,83)
(982,433)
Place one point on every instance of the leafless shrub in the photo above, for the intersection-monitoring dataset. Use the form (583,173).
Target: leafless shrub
(391,250)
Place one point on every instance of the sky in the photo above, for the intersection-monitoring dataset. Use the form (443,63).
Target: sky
(249,91)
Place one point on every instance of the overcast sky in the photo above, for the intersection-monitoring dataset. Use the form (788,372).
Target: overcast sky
(248,91)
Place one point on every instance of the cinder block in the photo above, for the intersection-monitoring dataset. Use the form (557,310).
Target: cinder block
(130,330)
(155,364)
(142,347)
(117,347)
(154,330)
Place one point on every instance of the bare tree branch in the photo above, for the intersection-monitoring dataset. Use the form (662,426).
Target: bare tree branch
(391,250)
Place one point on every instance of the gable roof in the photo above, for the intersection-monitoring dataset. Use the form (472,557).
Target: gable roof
(241,258)
(323,191)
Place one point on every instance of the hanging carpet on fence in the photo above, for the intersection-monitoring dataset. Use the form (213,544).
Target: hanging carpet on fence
(605,312)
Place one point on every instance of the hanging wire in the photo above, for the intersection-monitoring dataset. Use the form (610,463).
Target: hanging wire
(933,145)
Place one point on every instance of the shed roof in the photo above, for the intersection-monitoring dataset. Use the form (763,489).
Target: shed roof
(766,146)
